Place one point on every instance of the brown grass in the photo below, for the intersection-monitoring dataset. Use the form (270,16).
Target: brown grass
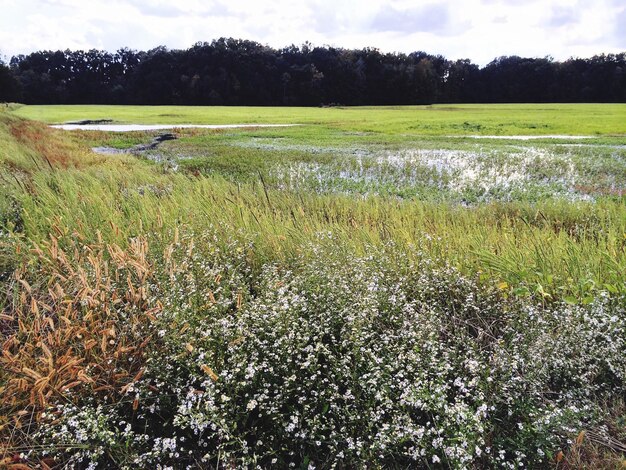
(600,448)
(590,455)
(79,330)
(600,190)
(53,149)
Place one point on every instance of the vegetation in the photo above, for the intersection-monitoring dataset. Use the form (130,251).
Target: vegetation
(240,72)
(325,295)
(382,124)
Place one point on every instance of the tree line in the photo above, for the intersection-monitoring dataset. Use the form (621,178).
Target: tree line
(230,71)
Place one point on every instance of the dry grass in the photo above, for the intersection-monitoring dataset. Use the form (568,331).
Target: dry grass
(39,138)
(80,331)
(591,454)
(599,448)
(47,148)
(599,190)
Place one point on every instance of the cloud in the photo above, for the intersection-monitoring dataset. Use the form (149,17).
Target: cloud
(514,3)
(164,10)
(620,31)
(480,30)
(433,18)
(62,3)
(562,16)
(326,18)
(168,9)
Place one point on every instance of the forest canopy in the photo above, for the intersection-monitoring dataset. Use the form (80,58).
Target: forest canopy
(230,71)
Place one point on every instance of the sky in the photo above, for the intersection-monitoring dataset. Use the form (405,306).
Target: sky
(480,30)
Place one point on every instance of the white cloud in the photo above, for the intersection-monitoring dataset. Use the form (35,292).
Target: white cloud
(477,29)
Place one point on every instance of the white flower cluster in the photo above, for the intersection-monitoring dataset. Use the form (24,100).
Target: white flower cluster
(342,360)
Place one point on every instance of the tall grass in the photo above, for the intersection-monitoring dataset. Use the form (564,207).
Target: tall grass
(560,249)
(554,249)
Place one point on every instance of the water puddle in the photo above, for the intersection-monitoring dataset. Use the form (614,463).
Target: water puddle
(529,137)
(141,148)
(158,127)
(108,150)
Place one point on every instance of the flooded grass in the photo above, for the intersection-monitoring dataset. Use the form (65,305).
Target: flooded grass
(434,169)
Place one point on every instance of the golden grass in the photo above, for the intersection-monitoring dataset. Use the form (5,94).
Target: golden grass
(81,330)
(32,146)
(599,448)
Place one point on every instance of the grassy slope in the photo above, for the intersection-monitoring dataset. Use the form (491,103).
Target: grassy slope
(497,119)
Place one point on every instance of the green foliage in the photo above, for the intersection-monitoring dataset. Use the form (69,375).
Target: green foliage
(231,71)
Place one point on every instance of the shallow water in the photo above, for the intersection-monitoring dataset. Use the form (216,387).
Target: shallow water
(157,127)
(530,137)
(109,150)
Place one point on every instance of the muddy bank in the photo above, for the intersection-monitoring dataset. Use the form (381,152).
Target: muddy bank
(85,122)
(137,148)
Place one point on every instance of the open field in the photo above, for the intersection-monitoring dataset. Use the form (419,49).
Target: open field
(374,285)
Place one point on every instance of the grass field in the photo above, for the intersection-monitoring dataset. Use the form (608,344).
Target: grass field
(374,285)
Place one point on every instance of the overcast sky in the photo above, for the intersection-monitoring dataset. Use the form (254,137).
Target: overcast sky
(476,29)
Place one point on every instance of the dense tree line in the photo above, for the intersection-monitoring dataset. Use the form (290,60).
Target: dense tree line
(241,72)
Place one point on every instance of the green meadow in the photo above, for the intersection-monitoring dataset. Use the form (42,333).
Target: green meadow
(374,285)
